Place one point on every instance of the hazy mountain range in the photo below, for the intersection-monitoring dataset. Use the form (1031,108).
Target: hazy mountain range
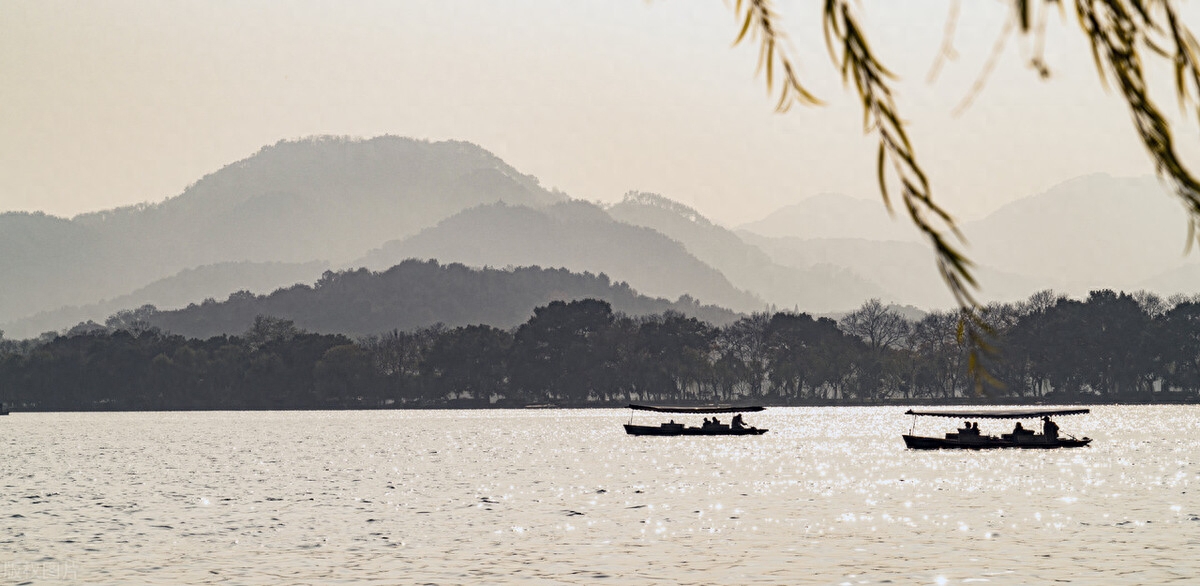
(206,282)
(1089,233)
(816,287)
(321,199)
(831,215)
(577,235)
(296,208)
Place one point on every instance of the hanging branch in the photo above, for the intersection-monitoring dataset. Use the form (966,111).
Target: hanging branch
(849,49)
(986,73)
(896,159)
(851,52)
(947,52)
(1120,32)
(1117,32)
(1186,60)
(759,23)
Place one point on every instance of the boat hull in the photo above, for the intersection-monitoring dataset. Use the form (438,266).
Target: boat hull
(987,443)
(673,430)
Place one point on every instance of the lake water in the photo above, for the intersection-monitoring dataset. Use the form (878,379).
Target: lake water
(828,496)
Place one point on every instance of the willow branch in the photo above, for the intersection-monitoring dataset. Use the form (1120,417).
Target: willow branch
(759,24)
(986,73)
(1117,33)
(946,52)
(896,160)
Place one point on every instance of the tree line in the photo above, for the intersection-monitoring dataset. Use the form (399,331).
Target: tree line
(1050,348)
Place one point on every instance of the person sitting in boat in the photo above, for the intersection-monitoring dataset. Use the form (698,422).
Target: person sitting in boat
(1019,429)
(1049,428)
(737,422)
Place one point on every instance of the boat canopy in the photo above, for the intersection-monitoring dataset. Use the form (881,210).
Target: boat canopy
(996,413)
(697,409)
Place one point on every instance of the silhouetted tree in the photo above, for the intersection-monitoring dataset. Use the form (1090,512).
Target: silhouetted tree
(135,321)
(470,361)
(671,356)
(563,353)
(882,330)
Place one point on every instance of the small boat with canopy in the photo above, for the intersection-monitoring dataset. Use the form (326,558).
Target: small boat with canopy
(710,427)
(969,437)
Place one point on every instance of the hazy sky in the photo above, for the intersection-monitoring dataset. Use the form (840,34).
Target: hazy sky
(118,102)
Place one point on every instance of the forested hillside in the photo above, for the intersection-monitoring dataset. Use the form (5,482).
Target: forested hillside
(415,294)
(576,235)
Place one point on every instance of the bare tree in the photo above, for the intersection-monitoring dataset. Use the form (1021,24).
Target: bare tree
(1040,302)
(1151,303)
(876,325)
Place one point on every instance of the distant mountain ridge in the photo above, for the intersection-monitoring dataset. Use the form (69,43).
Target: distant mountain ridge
(345,203)
(817,287)
(576,235)
(833,215)
(1095,231)
(323,198)
(415,294)
(1091,232)
(176,291)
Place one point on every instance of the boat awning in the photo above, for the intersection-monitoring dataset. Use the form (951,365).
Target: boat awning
(716,409)
(996,413)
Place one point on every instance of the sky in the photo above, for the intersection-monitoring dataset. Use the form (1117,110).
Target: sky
(105,104)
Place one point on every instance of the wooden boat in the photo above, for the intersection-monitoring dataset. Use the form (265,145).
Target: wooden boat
(714,427)
(969,437)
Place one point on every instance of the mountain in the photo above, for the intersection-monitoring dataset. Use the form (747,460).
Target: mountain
(1184,280)
(832,215)
(329,200)
(813,286)
(326,198)
(296,201)
(1091,232)
(191,285)
(905,271)
(415,294)
(48,262)
(576,235)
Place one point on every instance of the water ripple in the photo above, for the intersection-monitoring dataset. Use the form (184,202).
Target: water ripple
(829,496)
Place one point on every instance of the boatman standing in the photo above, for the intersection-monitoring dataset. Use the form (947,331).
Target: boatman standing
(1049,428)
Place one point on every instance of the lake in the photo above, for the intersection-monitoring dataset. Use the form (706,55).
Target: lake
(828,496)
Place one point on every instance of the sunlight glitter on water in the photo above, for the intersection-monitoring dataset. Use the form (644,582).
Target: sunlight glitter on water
(829,495)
